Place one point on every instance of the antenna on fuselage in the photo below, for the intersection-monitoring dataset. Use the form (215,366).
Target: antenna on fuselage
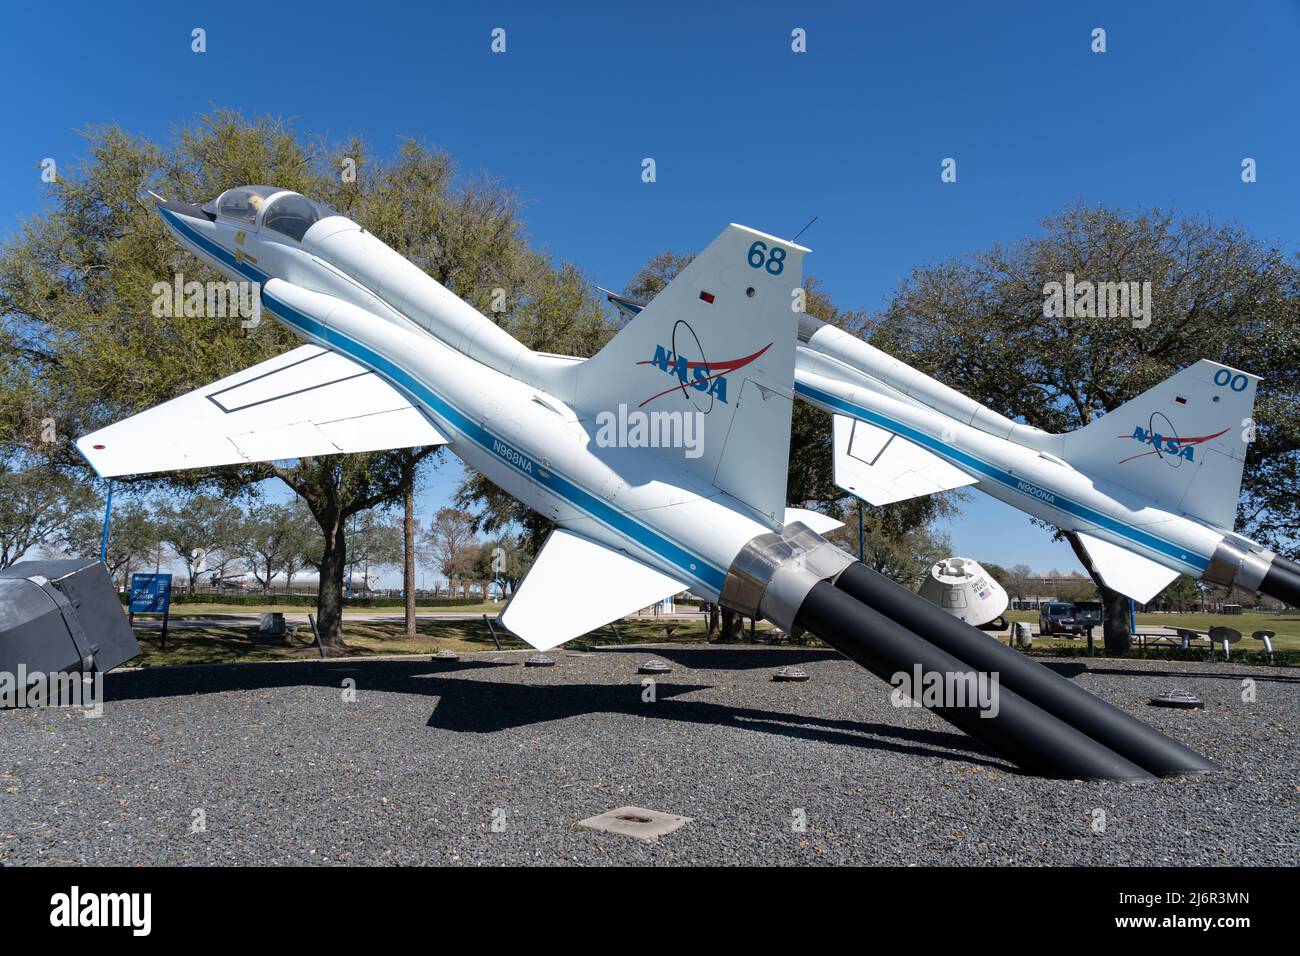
(804,229)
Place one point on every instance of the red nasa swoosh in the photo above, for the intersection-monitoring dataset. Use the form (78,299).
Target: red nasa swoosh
(1181,441)
(726,368)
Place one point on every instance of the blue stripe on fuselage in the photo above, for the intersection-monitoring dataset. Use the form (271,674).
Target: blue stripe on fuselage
(690,565)
(982,468)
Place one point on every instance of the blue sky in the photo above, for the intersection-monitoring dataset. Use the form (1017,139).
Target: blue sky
(741,128)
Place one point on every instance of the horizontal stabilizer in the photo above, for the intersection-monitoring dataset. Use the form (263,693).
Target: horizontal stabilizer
(822,524)
(575,586)
(310,401)
(627,306)
(1123,571)
(880,467)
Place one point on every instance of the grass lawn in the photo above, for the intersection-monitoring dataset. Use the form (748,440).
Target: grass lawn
(1286,626)
(217,645)
(228,644)
(215,609)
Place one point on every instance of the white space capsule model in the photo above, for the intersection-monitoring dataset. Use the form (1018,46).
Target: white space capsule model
(965,590)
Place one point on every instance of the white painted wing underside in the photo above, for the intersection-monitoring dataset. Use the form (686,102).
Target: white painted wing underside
(880,467)
(576,585)
(822,524)
(1128,573)
(310,401)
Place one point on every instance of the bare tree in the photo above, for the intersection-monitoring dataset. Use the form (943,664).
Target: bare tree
(452,544)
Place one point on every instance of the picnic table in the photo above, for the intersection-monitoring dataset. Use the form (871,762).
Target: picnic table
(1215,637)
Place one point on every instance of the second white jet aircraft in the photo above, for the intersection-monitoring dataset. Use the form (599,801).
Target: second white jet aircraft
(1151,489)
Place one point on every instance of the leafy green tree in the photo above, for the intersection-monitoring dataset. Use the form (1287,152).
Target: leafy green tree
(195,527)
(133,544)
(1182,594)
(997,572)
(503,561)
(36,504)
(271,540)
(374,542)
(903,552)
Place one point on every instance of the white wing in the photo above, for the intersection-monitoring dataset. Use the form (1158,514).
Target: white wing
(822,524)
(1128,573)
(310,401)
(880,467)
(576,585)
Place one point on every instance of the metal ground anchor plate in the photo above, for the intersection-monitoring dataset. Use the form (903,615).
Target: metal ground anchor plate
(1183,699)
(637,822)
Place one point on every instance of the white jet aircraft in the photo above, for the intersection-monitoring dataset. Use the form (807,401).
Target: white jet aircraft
(393,359)
(1151,488)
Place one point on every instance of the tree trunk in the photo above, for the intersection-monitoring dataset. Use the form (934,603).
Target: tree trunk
(733,627)
(408,572)
(329,599)
(1116,630)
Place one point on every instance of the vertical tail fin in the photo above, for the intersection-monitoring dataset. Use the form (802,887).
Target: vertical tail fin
(718,341)
(1182,443)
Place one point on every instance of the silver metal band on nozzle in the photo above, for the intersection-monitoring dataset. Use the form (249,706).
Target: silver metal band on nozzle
(1235,566)
(773,573)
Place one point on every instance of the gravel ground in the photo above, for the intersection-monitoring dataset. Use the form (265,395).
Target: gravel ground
(487,761)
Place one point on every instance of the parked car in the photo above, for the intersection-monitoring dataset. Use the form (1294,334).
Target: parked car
(1057,618)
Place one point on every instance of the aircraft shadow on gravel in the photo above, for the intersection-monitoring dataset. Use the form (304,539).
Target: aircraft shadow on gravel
(726,658)
(486,707)
(472,704)
(1072,671)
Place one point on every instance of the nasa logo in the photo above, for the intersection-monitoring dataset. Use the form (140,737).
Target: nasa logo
(1165,443)
(698,379)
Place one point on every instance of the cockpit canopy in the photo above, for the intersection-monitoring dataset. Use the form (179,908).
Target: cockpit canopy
(288,213)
